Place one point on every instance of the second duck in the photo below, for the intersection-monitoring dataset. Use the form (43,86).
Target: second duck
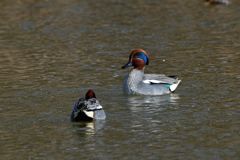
(136,82)
(88,108)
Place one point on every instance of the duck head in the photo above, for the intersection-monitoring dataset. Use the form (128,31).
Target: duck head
(138,58)
(90,94)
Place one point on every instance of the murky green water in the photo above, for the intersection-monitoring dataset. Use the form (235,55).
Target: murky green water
(53,51)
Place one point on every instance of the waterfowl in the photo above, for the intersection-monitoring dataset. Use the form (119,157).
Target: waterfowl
(216,2)
(88,108)
(136,82)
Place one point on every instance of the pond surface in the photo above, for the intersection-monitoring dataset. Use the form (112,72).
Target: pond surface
(53,51)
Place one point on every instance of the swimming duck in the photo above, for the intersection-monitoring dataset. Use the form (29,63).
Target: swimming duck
(217,2)
(88,108)
(136,82)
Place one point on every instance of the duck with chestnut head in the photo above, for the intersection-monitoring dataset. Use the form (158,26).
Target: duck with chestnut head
(88,108)
(217,2)
(136,82)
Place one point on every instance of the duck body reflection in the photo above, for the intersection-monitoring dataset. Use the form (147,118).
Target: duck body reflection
(136,102)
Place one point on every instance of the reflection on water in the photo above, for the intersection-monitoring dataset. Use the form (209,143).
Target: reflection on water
(88,127)
(151,112)
(135,102)
(52,51)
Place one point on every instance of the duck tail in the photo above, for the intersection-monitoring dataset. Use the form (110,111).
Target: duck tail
(173,87)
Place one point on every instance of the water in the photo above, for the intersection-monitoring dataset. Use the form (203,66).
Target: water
(53,51)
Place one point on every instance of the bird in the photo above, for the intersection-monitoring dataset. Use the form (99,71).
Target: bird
(136,82)
(217,2)
(88,108)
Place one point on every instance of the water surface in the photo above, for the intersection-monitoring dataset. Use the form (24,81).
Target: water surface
(53,51)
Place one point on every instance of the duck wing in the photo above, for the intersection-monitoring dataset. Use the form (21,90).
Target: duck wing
(93,104)
(159,78)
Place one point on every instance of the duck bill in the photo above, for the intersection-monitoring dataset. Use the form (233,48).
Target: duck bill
(127,65)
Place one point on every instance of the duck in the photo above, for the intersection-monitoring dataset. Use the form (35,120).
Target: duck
(88,108)
(136,82)
(217,2)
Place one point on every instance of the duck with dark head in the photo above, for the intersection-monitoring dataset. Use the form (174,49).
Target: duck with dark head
(216,2)
(88,108)
(136,82)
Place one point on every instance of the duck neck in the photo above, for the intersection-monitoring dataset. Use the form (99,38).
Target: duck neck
(136,76)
